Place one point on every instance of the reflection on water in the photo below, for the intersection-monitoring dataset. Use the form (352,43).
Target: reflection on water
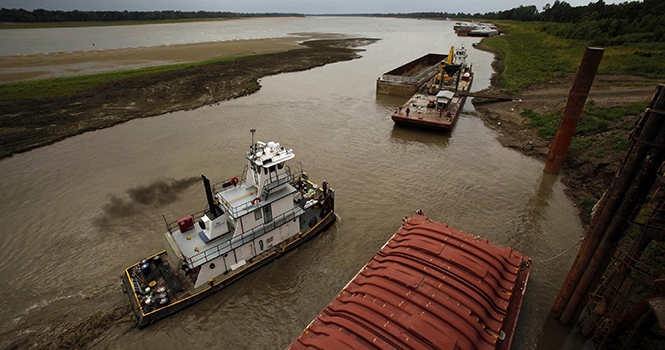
(405,135)
(535,212)
(61,262)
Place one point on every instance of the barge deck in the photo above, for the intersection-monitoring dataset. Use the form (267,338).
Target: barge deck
(430,286)
(438,105)
(407,79)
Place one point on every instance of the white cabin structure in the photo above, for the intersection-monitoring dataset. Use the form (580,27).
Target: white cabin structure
(245,219)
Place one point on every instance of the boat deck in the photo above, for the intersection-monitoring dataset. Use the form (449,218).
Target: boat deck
(430,286)
(238,200)
(421,114)
(238,196)
(191,244)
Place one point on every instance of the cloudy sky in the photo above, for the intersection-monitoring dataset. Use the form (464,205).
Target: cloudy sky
(300,6)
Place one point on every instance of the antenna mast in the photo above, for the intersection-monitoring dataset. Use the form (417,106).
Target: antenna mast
(252,146)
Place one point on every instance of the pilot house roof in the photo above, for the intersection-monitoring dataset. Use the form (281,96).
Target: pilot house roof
(267,155)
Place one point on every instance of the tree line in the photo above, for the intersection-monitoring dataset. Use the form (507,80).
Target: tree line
(600,23)
(39,15)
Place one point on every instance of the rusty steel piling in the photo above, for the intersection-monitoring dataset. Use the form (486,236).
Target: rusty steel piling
(573,109)
(629,189)
(637,193)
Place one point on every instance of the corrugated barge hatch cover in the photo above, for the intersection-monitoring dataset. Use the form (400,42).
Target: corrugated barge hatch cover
(430,287)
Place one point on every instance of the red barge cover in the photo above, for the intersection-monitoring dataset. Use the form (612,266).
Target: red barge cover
(431,286)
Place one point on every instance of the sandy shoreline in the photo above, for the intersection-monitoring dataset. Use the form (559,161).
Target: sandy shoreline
(61,64)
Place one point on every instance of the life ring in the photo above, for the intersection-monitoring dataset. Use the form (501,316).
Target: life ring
(234,181)
(255,199)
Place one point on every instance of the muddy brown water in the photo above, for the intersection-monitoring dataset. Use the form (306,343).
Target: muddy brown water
(76,213)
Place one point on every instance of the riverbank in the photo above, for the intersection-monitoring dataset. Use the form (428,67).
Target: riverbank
(30,123)
(529,123)
(77,63)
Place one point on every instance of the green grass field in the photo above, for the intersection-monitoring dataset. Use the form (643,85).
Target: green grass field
(594,119)
(67,86)
(105,23)
(532,56)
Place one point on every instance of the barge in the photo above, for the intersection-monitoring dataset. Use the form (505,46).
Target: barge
(438,104)
(475,29)
(250,220)
(430,286)
(405,80)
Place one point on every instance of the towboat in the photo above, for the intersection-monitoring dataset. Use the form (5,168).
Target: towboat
(438,104)
(250,220)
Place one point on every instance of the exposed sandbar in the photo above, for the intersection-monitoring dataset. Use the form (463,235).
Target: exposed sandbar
(60,64)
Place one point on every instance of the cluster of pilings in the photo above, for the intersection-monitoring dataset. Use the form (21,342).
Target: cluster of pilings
(637,264)
(613,213)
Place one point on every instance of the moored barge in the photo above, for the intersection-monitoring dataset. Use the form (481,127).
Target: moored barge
(476,29)
(438,104)
(430,286)
(250,220)
(406,79)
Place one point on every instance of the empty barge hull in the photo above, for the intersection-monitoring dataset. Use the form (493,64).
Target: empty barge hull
(429,287)
(406,79)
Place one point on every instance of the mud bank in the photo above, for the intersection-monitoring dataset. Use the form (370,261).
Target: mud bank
(587,173)
(28,124)
(64,64)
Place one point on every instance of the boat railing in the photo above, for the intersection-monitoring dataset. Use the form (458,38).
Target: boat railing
(221,185)
(271,184)
(246,237)
(268,186)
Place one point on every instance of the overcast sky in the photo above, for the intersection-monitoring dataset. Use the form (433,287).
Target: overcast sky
(299,6)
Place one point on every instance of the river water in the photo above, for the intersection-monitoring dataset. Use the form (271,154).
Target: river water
(76,213)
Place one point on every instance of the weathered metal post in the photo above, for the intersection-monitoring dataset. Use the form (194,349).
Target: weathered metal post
(614,208)
(635,195)
(573,109)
